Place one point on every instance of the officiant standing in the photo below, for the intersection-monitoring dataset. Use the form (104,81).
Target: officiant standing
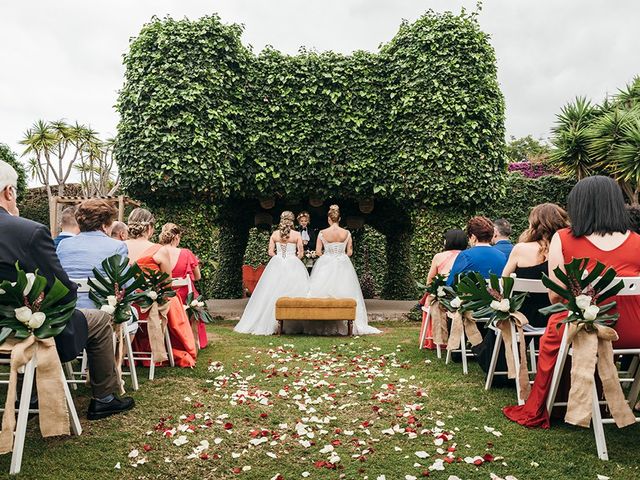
(309,236)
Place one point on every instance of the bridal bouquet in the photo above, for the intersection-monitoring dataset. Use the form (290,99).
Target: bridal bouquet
(157,288)
(117,289)
(196,309)
(585,293)
(310,256)
(26,310)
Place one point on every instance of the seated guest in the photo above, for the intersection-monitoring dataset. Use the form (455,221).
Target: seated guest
(528,258)
(30,244)
(501,234)
(120,231)
(599,231)
(481,257)
(68,226)
(183,264)
(152,256)
(455,240)
(79,255)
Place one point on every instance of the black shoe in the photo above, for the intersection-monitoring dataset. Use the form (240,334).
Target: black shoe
(98,410)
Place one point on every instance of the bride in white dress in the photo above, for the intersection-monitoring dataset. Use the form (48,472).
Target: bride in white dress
(284,276)
(333,275)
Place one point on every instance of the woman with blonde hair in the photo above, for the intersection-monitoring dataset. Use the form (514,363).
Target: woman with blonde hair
(284,276)
(184,264)
(333,275)
(153,256)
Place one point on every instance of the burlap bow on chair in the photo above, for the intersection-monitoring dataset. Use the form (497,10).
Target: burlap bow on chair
(591,349)
(519,320)
(463,321)
(53,411)
(156,323)
(439,328)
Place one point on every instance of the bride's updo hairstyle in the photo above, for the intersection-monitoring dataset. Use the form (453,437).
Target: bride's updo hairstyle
(334,213)
(286,223)
(139,222)
(169,232)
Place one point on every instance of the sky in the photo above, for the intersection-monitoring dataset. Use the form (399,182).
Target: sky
(63,58)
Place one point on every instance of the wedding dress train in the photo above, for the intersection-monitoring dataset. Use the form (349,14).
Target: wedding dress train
(284,276)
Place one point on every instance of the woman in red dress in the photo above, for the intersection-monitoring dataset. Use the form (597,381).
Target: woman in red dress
(184,264)
(455,240)
(149,255)
(599,231)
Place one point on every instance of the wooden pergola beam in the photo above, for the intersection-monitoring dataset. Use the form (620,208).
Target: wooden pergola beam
(120,200)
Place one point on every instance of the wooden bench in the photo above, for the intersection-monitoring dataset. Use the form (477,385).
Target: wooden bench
(316,309)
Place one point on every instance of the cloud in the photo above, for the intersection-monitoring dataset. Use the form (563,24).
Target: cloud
(63,59)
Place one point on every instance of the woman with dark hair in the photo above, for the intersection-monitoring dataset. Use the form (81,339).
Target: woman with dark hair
(455,240)
(481,257)
(599,231)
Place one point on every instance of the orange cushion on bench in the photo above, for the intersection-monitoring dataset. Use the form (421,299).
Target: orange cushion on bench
(299,308)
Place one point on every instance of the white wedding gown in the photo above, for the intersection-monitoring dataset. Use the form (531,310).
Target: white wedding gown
(284,276)
(333,275)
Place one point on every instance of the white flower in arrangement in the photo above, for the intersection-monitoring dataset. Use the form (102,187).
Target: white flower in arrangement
(29,318)
(456,303)
(501,305)
(112,300)
(591,312)
(31,278)
(152,295)
(23,314)
(440,292)
(110,309)
(514,275)
(201,304)
(2,292)
(36,320)
(195,303)
(583,301)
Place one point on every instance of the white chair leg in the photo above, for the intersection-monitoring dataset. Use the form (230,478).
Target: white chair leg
(494,360)
(23,416)
(152,368)
(598,426)
(76,428)
(634,391)
(463,347)
(68,371)
(85,363)
(167,341)
(532,356)
(557,371)
(447,358)
(132,363)
(438,350)
(516,360)
(423,333)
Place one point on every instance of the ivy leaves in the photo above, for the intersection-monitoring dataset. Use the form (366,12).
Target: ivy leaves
(421,122)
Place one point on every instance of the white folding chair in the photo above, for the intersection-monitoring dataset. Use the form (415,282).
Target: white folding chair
(75,377)
(423,333)
(631,288)
(519,285)
(186,282)
(24,411)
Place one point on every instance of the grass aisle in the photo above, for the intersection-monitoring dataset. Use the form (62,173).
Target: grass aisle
(321,408)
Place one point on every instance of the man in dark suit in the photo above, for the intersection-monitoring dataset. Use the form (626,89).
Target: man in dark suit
(30,244)
(309,235)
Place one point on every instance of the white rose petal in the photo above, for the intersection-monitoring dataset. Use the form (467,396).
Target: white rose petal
(108,309)
(591,312)
(112,300)
(422,454)
(23,314)
(456,302)
(583,301)
(36,321)
(30,279)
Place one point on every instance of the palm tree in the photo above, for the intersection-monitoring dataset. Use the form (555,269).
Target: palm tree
(624,160)
(570,139)
(40,140)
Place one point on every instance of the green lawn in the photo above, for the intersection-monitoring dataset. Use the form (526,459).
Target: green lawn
(310,400)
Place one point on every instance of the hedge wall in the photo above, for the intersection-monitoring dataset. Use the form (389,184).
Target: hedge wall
(203,117)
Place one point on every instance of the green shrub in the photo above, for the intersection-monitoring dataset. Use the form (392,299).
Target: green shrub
(7,155)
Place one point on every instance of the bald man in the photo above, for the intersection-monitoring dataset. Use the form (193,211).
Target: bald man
(120,231)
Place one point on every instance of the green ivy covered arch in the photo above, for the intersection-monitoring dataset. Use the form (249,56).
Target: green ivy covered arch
(420,123)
